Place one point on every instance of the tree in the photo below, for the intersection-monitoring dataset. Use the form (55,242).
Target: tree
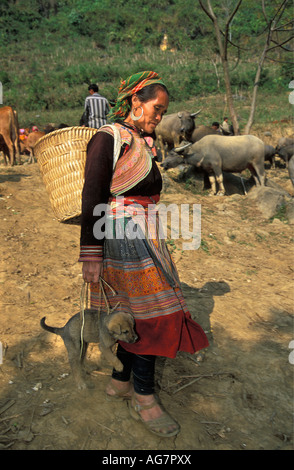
(277,33)
(274,26)
(222,41)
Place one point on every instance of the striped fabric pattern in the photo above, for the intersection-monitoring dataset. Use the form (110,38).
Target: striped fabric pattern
(91,253)
(136,162)
(140,270)
(132,167)
(146,285)
(97,108)
(128,87)
(138,81)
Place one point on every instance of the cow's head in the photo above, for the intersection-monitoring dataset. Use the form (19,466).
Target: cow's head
(187,122)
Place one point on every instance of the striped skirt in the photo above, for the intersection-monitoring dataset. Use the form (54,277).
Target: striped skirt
(140,270)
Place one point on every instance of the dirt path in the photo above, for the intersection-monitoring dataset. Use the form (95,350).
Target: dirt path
(238,286)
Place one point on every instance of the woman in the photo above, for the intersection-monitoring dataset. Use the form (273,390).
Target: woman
(138,268)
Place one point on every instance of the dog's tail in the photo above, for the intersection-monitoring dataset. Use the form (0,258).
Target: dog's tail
(52,329)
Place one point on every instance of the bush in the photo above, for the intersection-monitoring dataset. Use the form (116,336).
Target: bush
(287,72)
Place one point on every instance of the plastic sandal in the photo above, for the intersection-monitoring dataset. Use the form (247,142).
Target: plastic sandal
(154,425)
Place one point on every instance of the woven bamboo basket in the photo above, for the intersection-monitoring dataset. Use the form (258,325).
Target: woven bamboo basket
(61,156)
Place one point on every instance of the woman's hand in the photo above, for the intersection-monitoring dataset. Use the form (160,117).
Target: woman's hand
(92,270)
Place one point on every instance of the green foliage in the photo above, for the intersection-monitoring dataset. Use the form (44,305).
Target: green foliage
(287,72)
(57,48)
(17,23)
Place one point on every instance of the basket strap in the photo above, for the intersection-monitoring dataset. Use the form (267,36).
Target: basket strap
(117,142)
(117,145)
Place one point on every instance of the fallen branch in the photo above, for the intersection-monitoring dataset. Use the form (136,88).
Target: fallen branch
(6,406)
(102,425)
(199,377)
(7,418)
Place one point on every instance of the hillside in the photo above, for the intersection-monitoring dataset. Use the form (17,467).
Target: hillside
(51,51)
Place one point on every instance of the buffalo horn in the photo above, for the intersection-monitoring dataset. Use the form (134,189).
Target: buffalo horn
(195,114)
(180,149)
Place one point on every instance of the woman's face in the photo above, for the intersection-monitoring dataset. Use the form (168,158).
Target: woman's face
(153,110)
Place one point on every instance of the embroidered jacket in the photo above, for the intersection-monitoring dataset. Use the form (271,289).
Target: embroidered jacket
(135,174)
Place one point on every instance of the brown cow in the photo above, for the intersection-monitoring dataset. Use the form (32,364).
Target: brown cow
(23,149)
(4,150)
(9,134)
(30,143)
(34,136)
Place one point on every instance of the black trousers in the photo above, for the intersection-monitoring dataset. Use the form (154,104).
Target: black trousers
(142,367)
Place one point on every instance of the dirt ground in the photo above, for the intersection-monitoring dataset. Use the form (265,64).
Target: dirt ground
(238,286)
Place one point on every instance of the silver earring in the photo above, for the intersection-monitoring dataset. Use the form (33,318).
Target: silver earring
(134,118)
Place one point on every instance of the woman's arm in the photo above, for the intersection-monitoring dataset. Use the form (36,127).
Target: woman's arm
(96,190)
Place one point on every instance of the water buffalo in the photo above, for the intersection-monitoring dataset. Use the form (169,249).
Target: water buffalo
(286,153)
(174,128)
(269,154)
(215,154)
(291,169)
(201,131)
(173,160)
(284,141)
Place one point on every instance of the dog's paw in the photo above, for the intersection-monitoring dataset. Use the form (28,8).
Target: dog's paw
(82,385)
(118,366)
(85,385)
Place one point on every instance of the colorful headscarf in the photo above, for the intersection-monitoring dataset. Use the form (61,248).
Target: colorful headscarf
(129,87)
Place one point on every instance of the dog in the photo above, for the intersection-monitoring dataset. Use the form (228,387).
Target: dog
(105,329)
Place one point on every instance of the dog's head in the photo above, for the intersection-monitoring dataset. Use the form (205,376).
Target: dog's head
(120,326)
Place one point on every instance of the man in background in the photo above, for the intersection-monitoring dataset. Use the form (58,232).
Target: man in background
(225,125)
(226,128)
(96,109)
